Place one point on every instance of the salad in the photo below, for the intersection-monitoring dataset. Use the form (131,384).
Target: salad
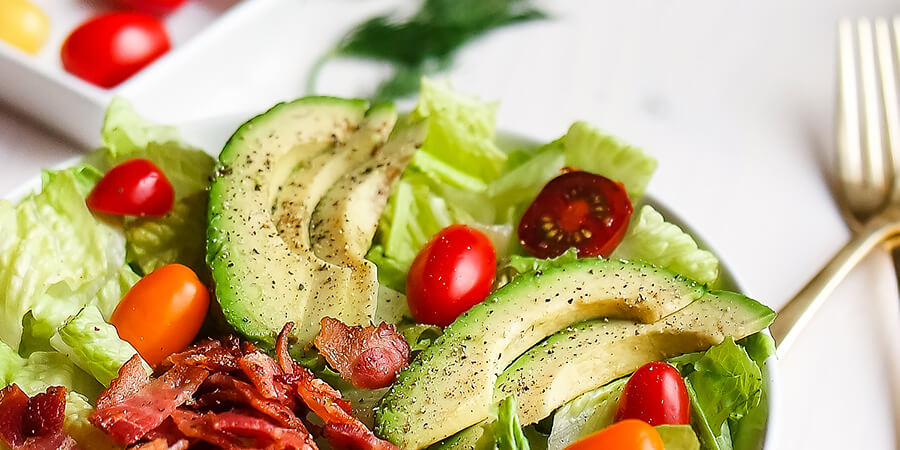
(344,276)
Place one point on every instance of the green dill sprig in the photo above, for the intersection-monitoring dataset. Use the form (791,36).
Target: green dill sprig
(425,42)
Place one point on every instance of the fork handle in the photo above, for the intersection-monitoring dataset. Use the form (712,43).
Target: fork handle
(794,316)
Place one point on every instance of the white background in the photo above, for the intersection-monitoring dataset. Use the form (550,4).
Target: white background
(735,98)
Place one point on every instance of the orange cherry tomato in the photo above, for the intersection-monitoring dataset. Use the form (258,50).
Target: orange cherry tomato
(629,434)
(162,313)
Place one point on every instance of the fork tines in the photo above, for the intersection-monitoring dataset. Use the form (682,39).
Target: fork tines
(868,117)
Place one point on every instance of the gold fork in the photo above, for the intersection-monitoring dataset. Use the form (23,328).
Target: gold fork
(868,161)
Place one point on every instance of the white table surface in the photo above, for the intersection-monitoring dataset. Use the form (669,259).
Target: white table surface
(734,98)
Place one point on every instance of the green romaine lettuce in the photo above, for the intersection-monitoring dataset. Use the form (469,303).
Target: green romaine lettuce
(651,239)
(747,432)
(55,256)
(461,133)
(590,150)
(524,264)
(508,433)
(93,345)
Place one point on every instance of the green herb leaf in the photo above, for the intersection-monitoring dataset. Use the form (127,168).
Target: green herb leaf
(425,42)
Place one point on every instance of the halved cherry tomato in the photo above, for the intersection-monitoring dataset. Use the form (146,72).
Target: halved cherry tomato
(158,7)
(576,209)
(452,272)
(109,48)
(626,435)
(656,394)
(24,25)
(136,187)
(162,313)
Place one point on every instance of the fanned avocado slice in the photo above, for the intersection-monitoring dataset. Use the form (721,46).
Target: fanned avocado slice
(344,223)
(450,385)
(272,174)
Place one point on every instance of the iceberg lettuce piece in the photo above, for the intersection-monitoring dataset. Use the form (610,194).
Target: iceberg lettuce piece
(10,364)
(94,345)
(55,256)
(651,239)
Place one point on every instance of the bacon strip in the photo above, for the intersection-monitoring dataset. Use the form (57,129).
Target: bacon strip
(347,432)
(34,423)
(130,419)
(240,392)
(131,379)
(369,357)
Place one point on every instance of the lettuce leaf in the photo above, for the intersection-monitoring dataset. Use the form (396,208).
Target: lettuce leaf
(461,133)
(93,345)
(651,239)
(76,424)
(587,413)
(524,264)
(747,432)
(588,149)
(44,369)
(55,256)
(508,433)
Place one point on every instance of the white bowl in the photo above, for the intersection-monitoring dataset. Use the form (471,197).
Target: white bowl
(212,134)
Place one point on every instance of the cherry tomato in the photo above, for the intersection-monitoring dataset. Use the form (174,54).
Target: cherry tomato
(656,394)
(158,7)
(109,48)
(23,25)
(452,272)
(162,313)
(136,187)
(576,209)
(628,434)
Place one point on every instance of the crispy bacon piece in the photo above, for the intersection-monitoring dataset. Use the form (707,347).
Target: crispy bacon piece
(129,420)
(131,379)
(369,357)
(240,430)
(215,355)
(348,436)
(347,432)
(261,369)
(231,390)
(35,423)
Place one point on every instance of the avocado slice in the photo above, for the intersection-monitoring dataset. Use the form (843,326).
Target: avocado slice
(271,176)
(344,222)
(591,354)
(450,385)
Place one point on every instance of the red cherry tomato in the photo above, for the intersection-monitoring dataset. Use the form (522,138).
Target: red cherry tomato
(109,48)
(626,435)
(452,272)
(656,394)
(158,7)
(162,313)
(135,188)
(576,209)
